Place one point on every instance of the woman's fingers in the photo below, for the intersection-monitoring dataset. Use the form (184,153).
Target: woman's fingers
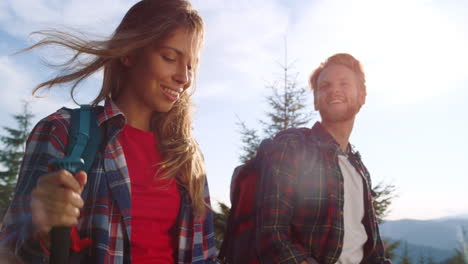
(56,200)
(60,178)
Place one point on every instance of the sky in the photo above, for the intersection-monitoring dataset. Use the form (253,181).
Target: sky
(412,131)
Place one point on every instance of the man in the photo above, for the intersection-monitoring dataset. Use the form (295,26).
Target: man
(316,203)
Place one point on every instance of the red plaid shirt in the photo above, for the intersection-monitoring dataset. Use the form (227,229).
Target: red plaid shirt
(301,201)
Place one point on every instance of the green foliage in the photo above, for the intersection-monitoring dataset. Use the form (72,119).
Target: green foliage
(288,109)
(250,142)
(220,223)
(405,259)
(385,193)
(426,258)
(457,258)
(430,259)
(11,155)
(422,259)
(464,244)
(390,248)
(460,256)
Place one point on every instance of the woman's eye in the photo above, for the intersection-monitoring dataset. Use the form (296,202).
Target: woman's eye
(169,59)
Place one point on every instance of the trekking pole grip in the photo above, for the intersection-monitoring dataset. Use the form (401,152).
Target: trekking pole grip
(60,240)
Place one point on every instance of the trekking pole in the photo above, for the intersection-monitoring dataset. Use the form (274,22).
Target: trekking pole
(60,235)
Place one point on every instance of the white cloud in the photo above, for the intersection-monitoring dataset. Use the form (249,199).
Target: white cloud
(241,46)
(35,11)
(104,16)
(231,5)
(16,86)
(4,14)
(21,17)
(15,81)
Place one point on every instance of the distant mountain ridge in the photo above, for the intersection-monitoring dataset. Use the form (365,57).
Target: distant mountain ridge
(459,217)
(438,233)
(416,252)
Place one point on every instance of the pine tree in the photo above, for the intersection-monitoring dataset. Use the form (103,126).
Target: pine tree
(405,259)
(11,155)
(460,255)
(430,259)
(287,109)
(250,142)
(384,194)
(456,258)
(287,104)
(220,222)
(390,248)
(422,259)
(464,244)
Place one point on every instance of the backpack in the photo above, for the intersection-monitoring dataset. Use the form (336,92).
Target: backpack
(84,140)
(239,245)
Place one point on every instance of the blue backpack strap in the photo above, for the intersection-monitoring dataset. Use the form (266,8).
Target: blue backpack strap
(84,139)
(85,136)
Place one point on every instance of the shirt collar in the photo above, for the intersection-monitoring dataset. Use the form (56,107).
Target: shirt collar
(111,112)
(326,140)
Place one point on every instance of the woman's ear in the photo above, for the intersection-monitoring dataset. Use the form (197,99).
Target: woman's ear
(126,60)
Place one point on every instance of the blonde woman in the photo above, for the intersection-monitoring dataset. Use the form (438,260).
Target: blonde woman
(146,193)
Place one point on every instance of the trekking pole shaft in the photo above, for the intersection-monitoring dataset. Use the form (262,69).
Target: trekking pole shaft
(59,244)
(60,240)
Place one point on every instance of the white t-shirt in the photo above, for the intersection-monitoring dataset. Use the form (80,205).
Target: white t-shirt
(354,231)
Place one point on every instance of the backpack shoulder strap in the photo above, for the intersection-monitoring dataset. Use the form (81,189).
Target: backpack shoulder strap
(83,143)
(84,137)
(300,133)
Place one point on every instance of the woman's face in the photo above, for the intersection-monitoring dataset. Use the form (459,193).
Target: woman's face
(158,74)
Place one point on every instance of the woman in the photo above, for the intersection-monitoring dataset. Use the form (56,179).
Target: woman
(146,192)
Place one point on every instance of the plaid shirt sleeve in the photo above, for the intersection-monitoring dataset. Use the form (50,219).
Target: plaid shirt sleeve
(210,251)
(377,250)
(377,257)
(17,234)
(276,203)
(196,237)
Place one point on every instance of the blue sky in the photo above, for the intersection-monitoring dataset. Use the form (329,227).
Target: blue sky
(412,132)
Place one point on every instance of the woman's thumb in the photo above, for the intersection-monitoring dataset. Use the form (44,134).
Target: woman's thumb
(82,178)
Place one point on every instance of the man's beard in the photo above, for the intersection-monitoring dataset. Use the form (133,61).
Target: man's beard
(333,116)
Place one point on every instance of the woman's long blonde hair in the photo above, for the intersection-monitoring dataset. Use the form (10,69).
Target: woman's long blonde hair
(146,23)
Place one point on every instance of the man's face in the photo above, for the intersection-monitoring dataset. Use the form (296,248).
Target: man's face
(338,97)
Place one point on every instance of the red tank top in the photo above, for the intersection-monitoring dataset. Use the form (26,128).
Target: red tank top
(155,202)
